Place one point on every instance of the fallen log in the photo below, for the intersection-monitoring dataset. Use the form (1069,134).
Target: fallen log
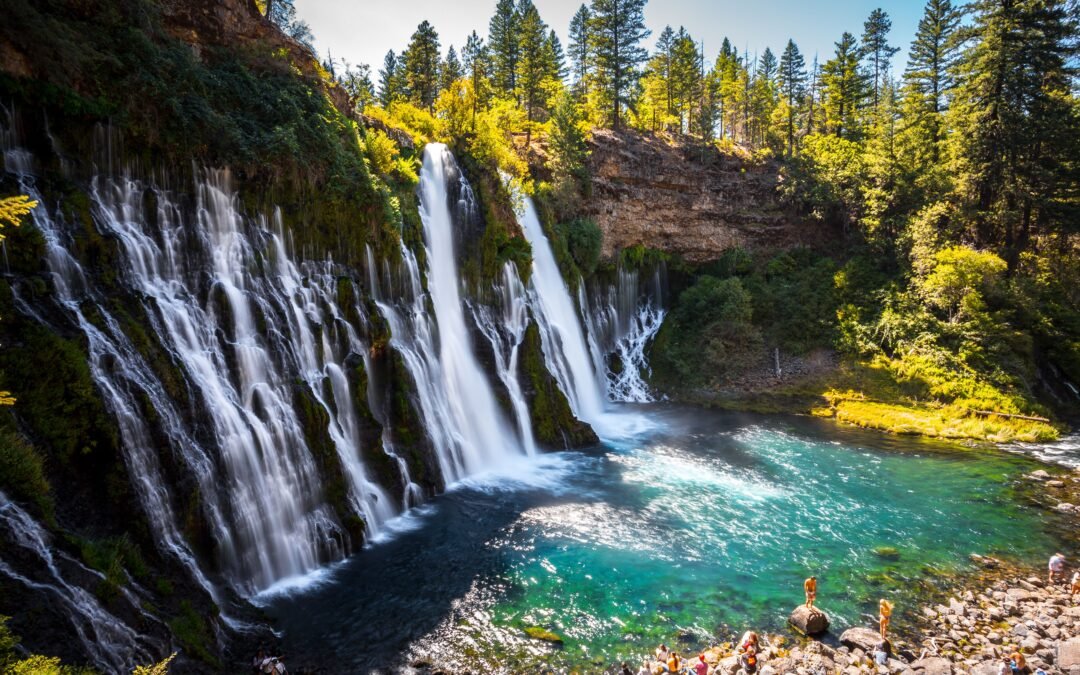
(1029,418)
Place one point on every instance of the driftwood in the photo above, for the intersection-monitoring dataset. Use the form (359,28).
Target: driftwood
(1029,418)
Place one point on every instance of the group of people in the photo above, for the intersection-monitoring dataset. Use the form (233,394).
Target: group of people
(265,664)
(667,661)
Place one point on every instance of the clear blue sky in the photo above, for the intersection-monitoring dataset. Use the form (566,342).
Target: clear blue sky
(361,31)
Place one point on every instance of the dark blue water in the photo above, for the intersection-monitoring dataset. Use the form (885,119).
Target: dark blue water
(705,525)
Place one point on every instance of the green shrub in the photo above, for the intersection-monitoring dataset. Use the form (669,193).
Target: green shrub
(22,473)
(584,240)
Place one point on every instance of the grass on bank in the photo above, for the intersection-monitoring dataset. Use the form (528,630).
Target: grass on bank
(869,394)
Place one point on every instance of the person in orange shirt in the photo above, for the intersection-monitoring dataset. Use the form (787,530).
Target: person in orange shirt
(810,586)
(884,616)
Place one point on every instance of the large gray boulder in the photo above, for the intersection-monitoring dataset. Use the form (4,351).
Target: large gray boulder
(861,638)
(809,621)
(1068,655)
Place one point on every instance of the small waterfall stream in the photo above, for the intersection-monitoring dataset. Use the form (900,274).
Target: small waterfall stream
(111,645)
(565,346)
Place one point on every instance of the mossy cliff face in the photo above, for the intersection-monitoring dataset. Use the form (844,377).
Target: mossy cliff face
(553,421)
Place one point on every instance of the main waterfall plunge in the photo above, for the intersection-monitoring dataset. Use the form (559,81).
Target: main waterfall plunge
(265,397)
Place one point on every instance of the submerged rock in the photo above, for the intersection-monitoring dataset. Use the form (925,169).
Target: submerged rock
(809,621)
(538,633)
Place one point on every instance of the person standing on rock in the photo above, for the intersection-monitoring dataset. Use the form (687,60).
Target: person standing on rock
(810,586)
(1075,585)
(1056,566)
(884,616)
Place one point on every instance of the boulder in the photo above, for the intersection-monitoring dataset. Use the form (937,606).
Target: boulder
(1055,483)
(1039,475)
(728,666)
(1068,654)
(809,621)
(933,665)
(861,638)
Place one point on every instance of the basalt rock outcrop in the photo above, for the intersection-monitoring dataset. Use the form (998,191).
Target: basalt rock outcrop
(686,199)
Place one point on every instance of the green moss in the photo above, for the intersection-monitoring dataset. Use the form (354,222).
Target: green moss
(112,557)
(501,239)
(554,424)
(315,422)
(50,378)
(194,634)
(383,466)
(22,471)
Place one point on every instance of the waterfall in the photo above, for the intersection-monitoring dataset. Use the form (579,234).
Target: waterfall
(504,326)
(577,345)
(249,333)
(563,341)
(107,641)
(456,402)
(622,321)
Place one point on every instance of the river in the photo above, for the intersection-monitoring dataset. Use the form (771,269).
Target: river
(699,524)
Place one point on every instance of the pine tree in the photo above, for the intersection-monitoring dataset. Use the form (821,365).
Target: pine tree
(766,68)
(422,66)
(568,147)
(876,49)
(616,29)
(556,57)
(661,66)
(723,74)
(503,46)
(792,86)
(933,53)
(845,89)
(580,52)
(392,82)
(451,70)
(283,14)
(477,68)
(356,81)
(685,78)
(534,61)
(1016,137)
(814,109)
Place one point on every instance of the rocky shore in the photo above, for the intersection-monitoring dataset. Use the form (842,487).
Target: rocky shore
(971,633)
(995,611)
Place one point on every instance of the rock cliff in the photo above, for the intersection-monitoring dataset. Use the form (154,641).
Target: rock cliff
(689,200)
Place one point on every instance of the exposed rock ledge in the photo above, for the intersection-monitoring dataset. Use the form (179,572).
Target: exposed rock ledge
(686,199)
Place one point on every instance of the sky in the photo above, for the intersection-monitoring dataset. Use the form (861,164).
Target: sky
(362,31)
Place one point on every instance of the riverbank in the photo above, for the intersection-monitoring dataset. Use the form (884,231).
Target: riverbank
(1004,610)
(869,395)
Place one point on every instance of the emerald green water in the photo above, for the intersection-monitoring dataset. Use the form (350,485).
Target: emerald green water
(702,527)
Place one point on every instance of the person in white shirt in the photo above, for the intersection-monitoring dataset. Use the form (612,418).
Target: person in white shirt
(1056,566)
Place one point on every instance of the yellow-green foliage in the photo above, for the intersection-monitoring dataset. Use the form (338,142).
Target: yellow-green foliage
(419,124)
(912,395)
(385,157)
(161,668)
(34,664)
(943,422)
(457,108)
(958,279)
(491,141)
(12,211)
